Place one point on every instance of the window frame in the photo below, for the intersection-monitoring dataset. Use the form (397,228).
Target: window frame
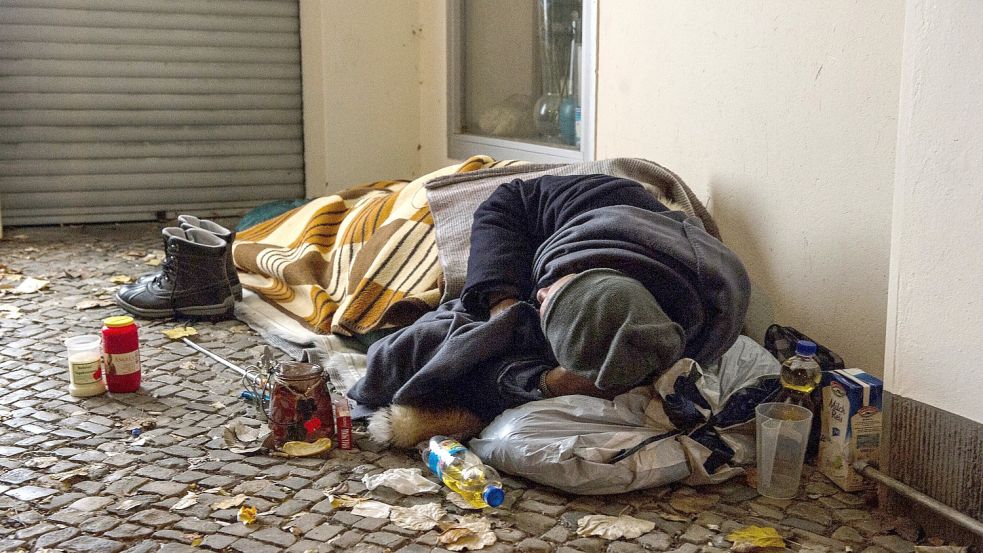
(463,145)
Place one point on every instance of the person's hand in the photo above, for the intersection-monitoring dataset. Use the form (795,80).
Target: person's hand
(562,382)
(501,306)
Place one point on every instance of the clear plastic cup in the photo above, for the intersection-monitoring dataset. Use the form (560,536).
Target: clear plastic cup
(85,366)
(783,434)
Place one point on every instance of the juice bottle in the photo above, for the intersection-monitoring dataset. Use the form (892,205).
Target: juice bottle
(801,375)
(463,472)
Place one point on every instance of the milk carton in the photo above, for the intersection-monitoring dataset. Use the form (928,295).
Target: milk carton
(851,425)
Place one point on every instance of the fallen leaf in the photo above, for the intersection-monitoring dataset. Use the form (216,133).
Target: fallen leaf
(372,508)
(196,539)
(121,279)
(230,502)
(467,533)
(460,502)
(751,538)
(243,439)
(418,517)
(612,528)
(217,405)
(247,514)
(191,498)
(672,517)
(89,304)
(11,311)
(693,502)
(407,481)
(306,449)
(40,462)
(30,285)
(180,332)
(128,504)
(338,501)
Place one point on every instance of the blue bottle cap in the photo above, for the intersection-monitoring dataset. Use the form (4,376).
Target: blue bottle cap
(805,348)
(493,496)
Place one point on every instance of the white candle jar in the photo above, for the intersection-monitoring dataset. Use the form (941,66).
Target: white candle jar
(85,366)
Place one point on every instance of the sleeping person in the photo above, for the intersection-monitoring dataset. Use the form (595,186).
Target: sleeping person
(581,284)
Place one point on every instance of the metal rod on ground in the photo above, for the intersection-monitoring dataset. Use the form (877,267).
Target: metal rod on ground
(935,505)
(252,377)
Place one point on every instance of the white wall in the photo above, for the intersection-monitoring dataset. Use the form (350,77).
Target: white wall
(361,92)
(936,308)
(780,114)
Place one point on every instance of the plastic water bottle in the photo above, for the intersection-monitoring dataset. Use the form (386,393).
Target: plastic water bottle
(463,472)
(801,375)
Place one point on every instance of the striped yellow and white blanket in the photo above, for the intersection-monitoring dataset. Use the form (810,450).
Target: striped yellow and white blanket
(360,260)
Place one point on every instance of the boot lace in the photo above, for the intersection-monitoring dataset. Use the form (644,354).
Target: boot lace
(168,269)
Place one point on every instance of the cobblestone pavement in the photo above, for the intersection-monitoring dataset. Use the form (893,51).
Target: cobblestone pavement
(72,478)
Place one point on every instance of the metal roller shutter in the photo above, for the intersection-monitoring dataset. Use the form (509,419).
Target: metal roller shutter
(115,110)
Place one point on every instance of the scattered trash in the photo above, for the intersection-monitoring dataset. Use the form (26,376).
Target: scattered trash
(30,285)
(408,481)
(91,304)
(191,498)
(135,432)
(692,502)
(612,528)
(467,533)
(420,517)
(371,508)
(306,449)
(249,396)
(128,504)
(180,332)
(459,501)
(10,312)
(242,439)
(141,424)
(40,462)
(154,258)
(247,515)
(752,538)
(230,502)
(338,501)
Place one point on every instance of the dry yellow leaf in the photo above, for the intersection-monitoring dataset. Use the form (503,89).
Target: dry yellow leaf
(349,501)
(751,538)
(229,502)
(121,279)
(306,449)
(180,332)
(247,514)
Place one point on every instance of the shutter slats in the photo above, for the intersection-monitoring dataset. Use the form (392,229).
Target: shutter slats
(146,20)
(18,170)
(136,52)
(148,85)
(114,110)
(95,199)
(155,181)
(283,8)
(109,35)
(91,150)
(89,68)
(150,134)
(18,100)
(84,117)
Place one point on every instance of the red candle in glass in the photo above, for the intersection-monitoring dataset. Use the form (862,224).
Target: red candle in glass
(121,354)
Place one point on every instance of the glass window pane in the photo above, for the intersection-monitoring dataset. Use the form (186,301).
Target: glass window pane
(521,65)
